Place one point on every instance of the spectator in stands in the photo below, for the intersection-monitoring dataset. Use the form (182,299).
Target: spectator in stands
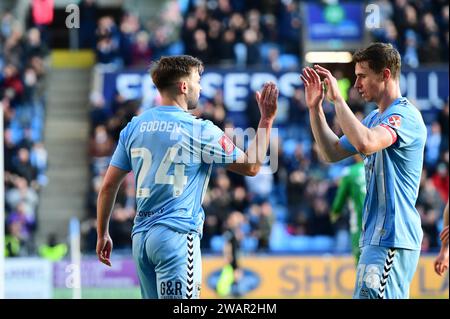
(101,143)
(88,23)
(441,181)
(252,45)
(13,44)
(12,85)
(432,147)
(107,52)
(43,14)
(21,225)
(264,227)
(319,220)
(214,34)
(13,239)
(129,27)
(229,280)
(22,166)
(141,53)
(431,51)
(53,250)
(290,27)
(201,48)
(227,55)
(187,33)
(23,195)
(34,46)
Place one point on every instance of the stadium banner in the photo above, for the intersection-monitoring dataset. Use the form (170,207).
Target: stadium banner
(426,87)
(28,278)
(122,274)
(268,276)
(312,277)
(342,22)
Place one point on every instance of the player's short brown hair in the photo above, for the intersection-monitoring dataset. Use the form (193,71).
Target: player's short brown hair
(380,56)
(169,69)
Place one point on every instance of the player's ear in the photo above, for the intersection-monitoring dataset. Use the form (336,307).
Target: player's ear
(386,74)
(183,86)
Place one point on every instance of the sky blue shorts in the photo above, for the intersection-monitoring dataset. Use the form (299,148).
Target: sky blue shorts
(168,263)
(385,273)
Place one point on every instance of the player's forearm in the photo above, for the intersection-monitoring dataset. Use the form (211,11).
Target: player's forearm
(105,203)
(323,135)
(446,215)
(257,150)
(357,134)
(444,250)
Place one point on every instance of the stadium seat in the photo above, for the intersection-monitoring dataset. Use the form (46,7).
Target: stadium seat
(288,62)
(176,48)
(279,237)
(322,243)
(342,241)
(281,213)
(217,243)
(300,243)
(249,244)
(265,49)
(240,51)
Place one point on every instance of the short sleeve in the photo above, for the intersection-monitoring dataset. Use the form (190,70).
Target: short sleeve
(399,126)
(216,146)
(120,158)
(345,143)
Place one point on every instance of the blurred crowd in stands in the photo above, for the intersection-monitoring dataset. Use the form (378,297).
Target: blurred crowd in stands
(249,33)
(22,98)
(288,210)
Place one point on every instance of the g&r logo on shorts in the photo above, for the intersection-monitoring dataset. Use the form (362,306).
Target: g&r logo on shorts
(170,289)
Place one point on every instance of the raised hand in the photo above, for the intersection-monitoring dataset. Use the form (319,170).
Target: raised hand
(268,101)
(314,91)
(331,85)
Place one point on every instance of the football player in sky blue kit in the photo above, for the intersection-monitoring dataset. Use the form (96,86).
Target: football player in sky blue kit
(171,154)
(391,140)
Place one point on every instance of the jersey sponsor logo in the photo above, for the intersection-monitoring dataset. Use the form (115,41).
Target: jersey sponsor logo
(372,277)
(395,121)
(170,289)
(226,144)
(150,213)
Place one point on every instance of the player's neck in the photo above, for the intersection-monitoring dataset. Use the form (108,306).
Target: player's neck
(174,101)
(391,93)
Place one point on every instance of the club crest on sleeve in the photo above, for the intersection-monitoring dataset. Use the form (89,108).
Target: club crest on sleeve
(395,120)
(226,144)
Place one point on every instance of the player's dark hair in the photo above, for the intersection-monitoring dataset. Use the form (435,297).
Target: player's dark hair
(168,70)
(380,56)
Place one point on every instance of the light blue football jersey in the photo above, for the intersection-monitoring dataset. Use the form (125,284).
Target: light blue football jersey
(393,174)
(171,153)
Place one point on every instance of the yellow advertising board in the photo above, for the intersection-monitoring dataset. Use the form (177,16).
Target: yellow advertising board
(311,277)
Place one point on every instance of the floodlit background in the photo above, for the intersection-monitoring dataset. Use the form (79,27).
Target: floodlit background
(73,73)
